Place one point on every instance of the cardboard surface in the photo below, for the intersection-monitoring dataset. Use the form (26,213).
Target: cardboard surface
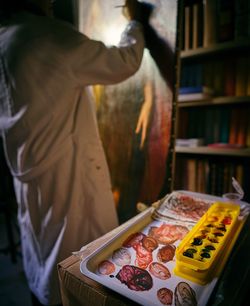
(78,290)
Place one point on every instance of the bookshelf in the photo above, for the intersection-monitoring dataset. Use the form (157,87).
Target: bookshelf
(216,48)
(204,150)
(215,100)
(214,97)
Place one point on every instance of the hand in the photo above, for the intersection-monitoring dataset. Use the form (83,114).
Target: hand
(129,9)
(139,11)
(143,121)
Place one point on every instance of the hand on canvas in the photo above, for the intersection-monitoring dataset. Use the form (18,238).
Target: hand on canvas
(139,11)
(143,121)
(129,9)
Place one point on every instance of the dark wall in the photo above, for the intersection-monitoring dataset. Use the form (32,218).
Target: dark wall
(66,10)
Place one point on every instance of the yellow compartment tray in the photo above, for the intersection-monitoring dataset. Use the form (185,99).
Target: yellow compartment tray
(206,247)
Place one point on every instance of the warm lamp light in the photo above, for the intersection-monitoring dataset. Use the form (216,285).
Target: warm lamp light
(112,35)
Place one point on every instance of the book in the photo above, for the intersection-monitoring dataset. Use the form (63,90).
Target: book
(194,97)
(234,126)
(242,128)
(219,178)
(191,128)
(226,178)
(200,126)
(197,25)
(195,93)
(229,76)
(208,74)
(208,122)
(232,173)
(201,176)
(216,124)
(191,174)
(225,114)
(191,78)
(245,182)
(242,15)
(248,130)
(239,173)
(188,33)
(211,182)
(183,123)
(186,79)
(226,20)
(210,25)
(206,169)
(218,77)
(191,89)
(222,145)
(241,76)
(183,76)
(248,76)
(198,75)
(189,142)
(180,180)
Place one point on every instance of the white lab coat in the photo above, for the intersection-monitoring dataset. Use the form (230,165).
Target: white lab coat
(51,140)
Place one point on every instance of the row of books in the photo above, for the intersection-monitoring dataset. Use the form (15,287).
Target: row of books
(216,125)
(208,176)
(207,22)
(227,77)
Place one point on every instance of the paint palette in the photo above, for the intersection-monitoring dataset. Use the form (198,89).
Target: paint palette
(203,247)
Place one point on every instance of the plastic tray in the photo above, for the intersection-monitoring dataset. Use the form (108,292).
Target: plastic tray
(174,285)
(198,254)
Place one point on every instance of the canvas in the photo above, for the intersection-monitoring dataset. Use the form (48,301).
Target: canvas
(135,117)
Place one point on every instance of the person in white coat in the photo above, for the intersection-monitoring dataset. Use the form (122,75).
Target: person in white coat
(50,135)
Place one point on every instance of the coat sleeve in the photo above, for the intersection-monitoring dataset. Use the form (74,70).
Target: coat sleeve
(92,62)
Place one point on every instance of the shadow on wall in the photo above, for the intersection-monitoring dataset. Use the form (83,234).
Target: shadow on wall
(66,10)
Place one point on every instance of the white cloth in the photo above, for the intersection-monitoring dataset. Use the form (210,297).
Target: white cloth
(51,140)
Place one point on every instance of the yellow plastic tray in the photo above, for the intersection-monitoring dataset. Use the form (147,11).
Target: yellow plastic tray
(208,243)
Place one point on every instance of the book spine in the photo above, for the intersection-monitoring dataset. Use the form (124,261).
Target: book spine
(211,184)
(226,20)
(229,77)
(241,76)
(188,33)
(216,125)
(248,130)
(239,173)
(197,25)
(201,176)
(190,89)
(226,178)
(208,122)
(218,77)
(210,18)
(224,126)
(192,174)
(248,76)
(191,131)
(241,27)
(242,128)
(219,178)
(183,118)
(208,74)
(233,129)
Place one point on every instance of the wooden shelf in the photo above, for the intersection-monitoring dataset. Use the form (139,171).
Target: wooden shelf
(219,66)
(222,47)
(204,150)
(215,101)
